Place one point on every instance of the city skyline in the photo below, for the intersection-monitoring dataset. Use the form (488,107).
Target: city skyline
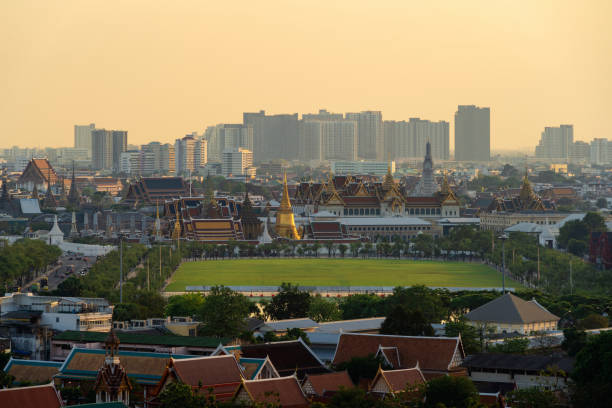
(160,73)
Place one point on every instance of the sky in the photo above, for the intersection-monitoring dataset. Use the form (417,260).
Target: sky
(162,69)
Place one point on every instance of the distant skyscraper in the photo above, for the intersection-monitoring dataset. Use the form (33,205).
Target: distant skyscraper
(580,153)
(408,139)
(322,115)
(371,138)
(102,149)
(601,152)
(556,143)
(472,133)
(119,146)
(237,162)
(274,136)
(190,154)
(157,158)
(333,139)
(227,136)
(82,136)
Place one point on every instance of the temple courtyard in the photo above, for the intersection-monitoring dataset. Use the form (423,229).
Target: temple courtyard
(335,272)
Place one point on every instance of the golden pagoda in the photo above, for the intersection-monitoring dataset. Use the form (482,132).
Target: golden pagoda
(285,224)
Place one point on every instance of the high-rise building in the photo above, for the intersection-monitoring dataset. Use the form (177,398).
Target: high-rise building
(129,163)
(409,139)
(102,149)
(310,140)
(119,146)
(82,136)
(472,133)
(601,152)
(334,139)
(190,154)
(274,136)
(322,115)
(580,153)
(556,143)
(371,137)
(227,136)
(237,162)
(157,158)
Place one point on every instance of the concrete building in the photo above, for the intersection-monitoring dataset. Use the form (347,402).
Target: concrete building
(102,149)
(472,133)
(157,158)
(556,143)
(274,136)
(83,138)
(129,163)
(328,140)
(190,154)
(408,139)
(228,136)
(580,153)
(376,168)
(45,314)
(237,162)
(119,146)
(600,152)
(371,134)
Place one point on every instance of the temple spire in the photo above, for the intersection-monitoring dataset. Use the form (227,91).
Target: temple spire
(285,222)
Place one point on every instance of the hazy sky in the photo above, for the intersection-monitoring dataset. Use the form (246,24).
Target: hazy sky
(161,69)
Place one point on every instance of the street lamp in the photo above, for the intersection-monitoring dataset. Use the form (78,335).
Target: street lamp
(120,268)
(503,238)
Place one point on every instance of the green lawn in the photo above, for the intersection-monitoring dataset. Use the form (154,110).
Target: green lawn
(335,272)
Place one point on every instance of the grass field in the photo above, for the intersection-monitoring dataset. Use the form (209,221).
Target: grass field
(335,272)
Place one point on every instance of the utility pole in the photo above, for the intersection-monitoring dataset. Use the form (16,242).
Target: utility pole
(503,238)
(148,275)
(120,268)
(571,281)
(160,262)
(538,263)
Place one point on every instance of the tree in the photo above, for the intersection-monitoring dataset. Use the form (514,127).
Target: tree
(362,367)
(448,391)
(511,346)
(592,372)
(70,287)
(289,303)
(184,305)
(428,301)
(125,311)
(573,340)
(351,398)
(322,310)
(342,249)
(577,247)
(532,398)
(150,304)
(406,322)
(593,321)
(602,203)
(223,312)
(469,335)
(594,222)
(362,305)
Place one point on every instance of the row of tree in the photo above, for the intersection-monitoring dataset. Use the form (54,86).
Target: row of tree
(25,260)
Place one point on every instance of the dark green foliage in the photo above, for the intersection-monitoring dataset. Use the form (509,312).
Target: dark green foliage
(577,247)
(25,260)
(593,372)
(72,286)
(362,367)
(359,306)
(406,322)
(223,312)
(575,235)
(324,310)
(511,346)
(593,321)
(532,398)
(184,305)
(469,335)
(457,392)
(574,340)
(289,303)
(429,302)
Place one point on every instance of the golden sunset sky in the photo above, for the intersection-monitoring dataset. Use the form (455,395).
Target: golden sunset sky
(161,69)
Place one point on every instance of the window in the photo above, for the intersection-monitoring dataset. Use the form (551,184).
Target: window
(57,320)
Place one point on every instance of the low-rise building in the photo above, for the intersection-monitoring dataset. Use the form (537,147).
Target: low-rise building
(509,314)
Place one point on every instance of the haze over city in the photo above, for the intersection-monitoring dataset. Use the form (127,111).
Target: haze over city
(160,70)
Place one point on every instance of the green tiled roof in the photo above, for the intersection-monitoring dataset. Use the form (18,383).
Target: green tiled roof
(130,338)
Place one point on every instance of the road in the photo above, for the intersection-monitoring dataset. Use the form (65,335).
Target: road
(59,273)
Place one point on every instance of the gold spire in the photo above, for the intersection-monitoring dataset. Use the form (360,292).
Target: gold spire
(285,223)
(388,182)
(176,233)
(285,201)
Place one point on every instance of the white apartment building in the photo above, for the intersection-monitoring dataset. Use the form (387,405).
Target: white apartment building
(409,139)
(328,140)
(237,162)
(157,158)
(377,168)
(556,143)
(82,137)
(190,154)
(130,163)
(601,151)
(371,144)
